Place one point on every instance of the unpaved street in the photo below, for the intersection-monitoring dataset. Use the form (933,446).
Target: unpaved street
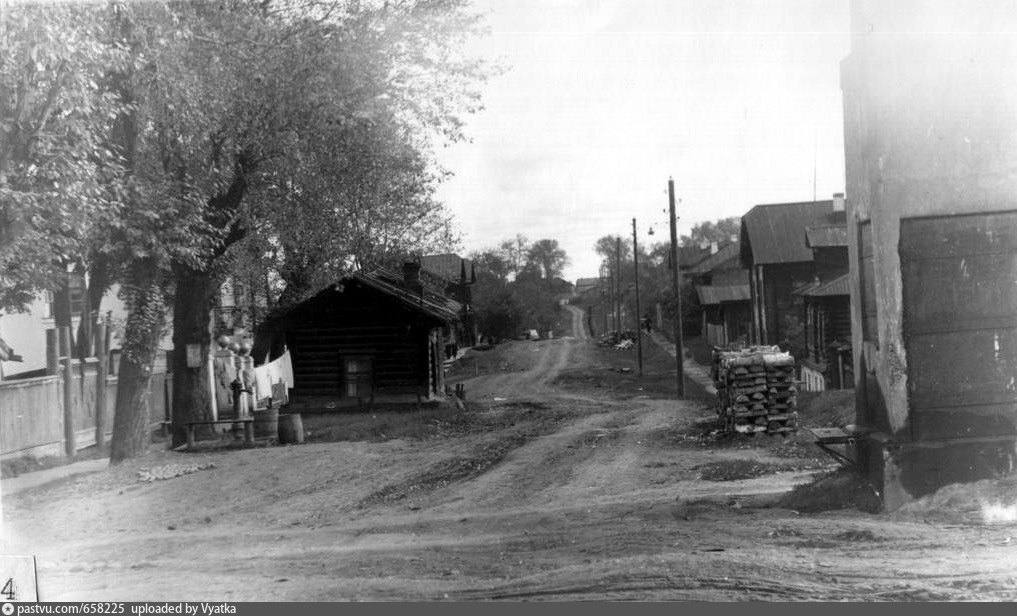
(565,478)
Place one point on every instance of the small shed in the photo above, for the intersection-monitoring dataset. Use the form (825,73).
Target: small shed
(376,336)
(727,316)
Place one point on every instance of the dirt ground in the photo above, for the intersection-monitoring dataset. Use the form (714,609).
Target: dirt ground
(566,477)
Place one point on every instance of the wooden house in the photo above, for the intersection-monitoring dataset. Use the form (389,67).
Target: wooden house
(827,360)
(722,287)
(377,336)
(775,248)
(931,156)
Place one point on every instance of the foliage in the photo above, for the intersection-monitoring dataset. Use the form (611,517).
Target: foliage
(510,295)
(59,178)
(707,232)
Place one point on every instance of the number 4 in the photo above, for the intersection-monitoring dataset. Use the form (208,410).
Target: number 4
(8,590)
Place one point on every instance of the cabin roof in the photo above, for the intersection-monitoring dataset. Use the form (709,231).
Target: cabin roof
(425,301)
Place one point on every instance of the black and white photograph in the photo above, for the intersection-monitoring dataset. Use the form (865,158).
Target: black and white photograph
(421,301)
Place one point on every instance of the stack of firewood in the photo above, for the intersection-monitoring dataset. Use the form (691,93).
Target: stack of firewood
(756,390)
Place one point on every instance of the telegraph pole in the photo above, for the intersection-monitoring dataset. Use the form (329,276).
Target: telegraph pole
(679,346)
(639,327)
(617,282)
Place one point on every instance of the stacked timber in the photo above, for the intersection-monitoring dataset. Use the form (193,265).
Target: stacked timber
(756,390)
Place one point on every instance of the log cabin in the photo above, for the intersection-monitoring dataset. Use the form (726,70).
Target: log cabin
(374,337)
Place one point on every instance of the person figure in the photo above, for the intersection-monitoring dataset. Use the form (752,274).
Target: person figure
(224,370)
(248,381)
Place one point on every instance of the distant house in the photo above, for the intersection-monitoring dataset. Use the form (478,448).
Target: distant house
(375,336)
(25,332)
(585,285)
(722,287)
(786,247)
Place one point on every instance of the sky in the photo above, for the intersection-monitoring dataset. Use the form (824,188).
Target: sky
(603,100)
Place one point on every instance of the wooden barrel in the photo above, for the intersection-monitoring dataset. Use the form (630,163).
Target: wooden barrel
(291,429)
(266,423)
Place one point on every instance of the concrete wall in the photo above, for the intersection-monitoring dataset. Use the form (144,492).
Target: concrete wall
(930,93)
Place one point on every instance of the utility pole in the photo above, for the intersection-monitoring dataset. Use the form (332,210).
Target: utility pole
(639,327)
(617,283)
(679,347)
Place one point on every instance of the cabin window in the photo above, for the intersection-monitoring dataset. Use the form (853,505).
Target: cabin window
(357,376)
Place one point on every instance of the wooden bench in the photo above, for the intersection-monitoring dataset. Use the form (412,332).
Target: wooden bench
(247,421)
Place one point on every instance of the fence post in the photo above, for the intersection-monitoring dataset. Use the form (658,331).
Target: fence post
(100,386)
(70,447)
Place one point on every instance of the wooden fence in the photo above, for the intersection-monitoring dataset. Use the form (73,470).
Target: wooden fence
(32,410)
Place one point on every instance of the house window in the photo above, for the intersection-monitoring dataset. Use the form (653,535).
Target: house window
(77,293)
(357,376)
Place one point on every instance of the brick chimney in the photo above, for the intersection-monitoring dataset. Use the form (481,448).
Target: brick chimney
(411,276)
(838,202)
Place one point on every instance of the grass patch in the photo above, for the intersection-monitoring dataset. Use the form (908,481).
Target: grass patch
(27,464)
(511,425)
(841,489)
(447,471)
(378,425)
(734,470)
(616,373)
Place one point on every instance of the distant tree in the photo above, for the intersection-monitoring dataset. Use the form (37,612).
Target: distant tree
(514,252)
(548,258)
(492,262)
(516,287)
(707,232)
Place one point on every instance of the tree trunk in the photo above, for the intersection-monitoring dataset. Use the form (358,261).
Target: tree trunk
(146,303)
(192,323)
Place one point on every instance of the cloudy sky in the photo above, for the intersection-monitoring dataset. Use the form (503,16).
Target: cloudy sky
(603,100)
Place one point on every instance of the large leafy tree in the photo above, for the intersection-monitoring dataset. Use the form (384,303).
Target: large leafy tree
(233,109)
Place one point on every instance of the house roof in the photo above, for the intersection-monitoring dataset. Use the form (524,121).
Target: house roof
(826,236)
(449,266)
(776,233)
(713,261)
(710,295)
(838,286)
(689,256)
(428,302)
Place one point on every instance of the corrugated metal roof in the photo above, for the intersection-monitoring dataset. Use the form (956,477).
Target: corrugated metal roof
(775,233)
(710,295)
(449,266)
(826,236)
(728,252)
(838,286)
(432,304)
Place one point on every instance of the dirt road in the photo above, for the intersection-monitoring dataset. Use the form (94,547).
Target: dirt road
(556,483)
